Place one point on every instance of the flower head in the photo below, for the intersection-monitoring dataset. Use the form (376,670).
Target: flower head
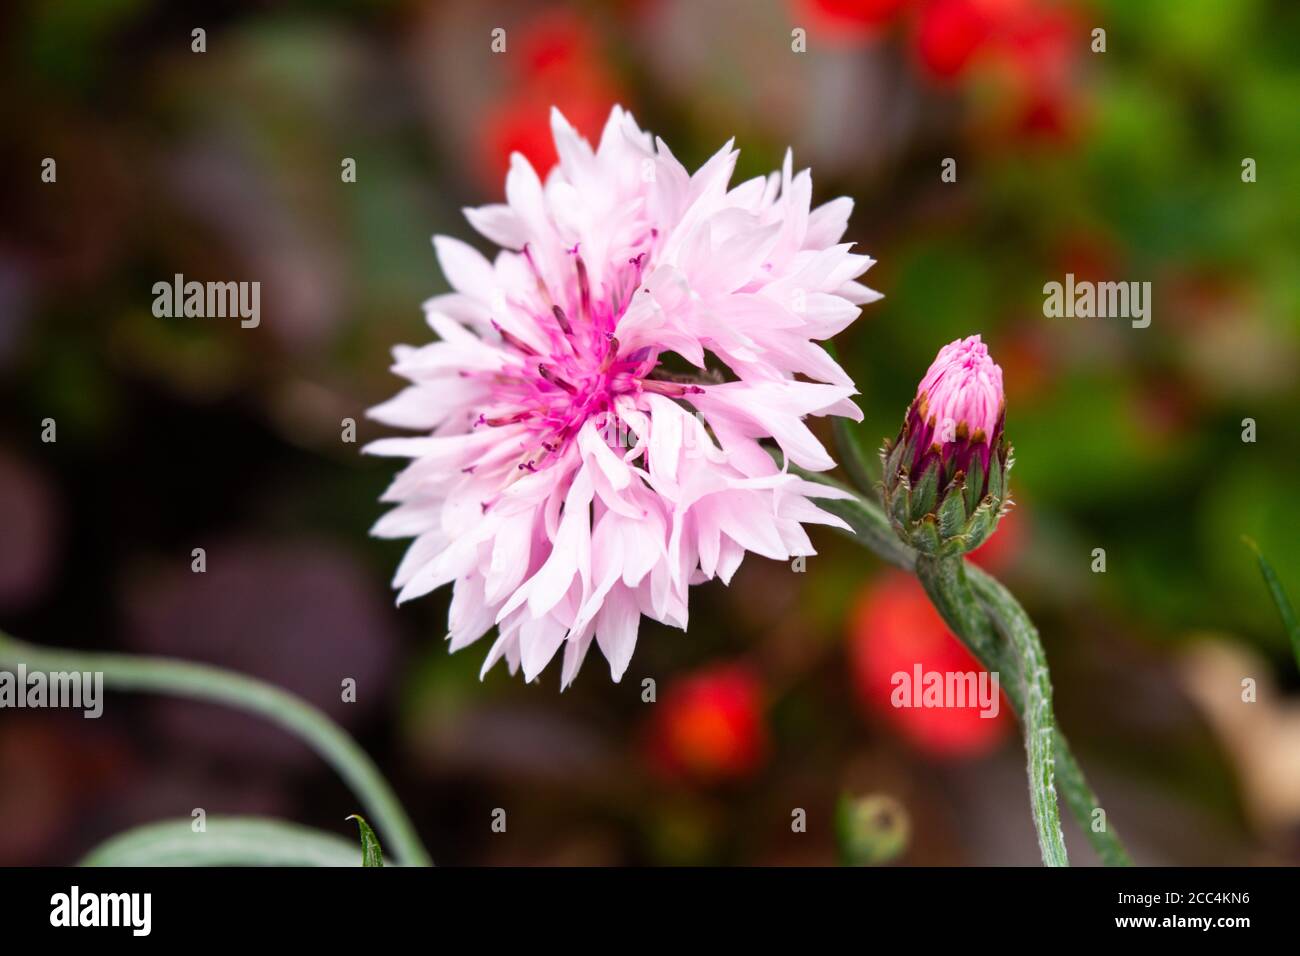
(945,475)
(960,402)
(592,413)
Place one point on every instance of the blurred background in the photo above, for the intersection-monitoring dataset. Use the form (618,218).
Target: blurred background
(174,434)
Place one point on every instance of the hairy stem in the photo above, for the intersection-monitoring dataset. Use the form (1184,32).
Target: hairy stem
(944,580)
(204,682)
(986,634)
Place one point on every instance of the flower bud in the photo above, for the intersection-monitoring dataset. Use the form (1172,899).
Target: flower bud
(871,830)
(945,477)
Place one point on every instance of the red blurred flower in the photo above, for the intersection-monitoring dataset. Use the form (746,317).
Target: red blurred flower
(848,21)
(556,61)
(892,628)
(555,44)
(1029,48)
(1041,44)
(949,33)
(1037,52)
(709,726)
(522,124)
(1028,363)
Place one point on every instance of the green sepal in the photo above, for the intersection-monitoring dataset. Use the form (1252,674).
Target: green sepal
(898,503)
(926,492)
(892,457)
(975,483)
(925,535)
(998,473)
(981,524)
(952,513)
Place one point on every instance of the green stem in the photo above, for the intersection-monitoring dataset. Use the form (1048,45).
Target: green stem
(872,530)
(1011,619)
(945,582)
(1083,804)
(204,682)
(863,469)
(870,526)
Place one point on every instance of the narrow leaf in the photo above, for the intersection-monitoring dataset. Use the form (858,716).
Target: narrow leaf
(371,852)
(1284,607)
(204,682)
(224,841)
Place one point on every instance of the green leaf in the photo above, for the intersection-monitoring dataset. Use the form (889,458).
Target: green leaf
(1284,607)
(371,852)
(224,841)
(207,683)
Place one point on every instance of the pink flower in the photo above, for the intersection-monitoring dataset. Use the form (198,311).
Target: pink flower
(945,476)
(962,392)
(567,481)
(959,407)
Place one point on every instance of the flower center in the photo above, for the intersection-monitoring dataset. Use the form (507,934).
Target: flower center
(581,370)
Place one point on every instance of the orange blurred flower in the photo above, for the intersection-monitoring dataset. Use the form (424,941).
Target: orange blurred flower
(709,726)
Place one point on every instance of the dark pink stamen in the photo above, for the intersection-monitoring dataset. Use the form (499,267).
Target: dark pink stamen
(513,340)
(562,319)
(555,380)
(671,389)
(584,287)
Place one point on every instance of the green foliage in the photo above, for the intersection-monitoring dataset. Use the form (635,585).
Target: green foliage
(225,841)
(372,854)
(1278,593)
